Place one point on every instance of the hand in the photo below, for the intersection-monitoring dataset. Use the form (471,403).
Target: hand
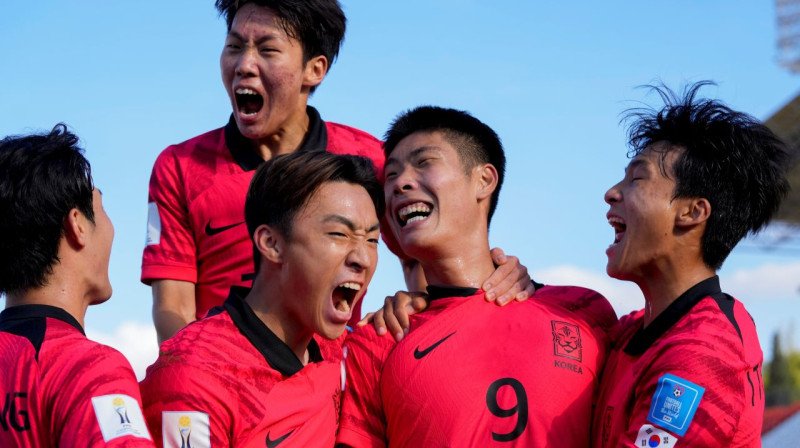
(395,312)
(509,281)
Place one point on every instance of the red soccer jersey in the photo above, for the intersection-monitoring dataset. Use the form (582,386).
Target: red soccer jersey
(195,227)
(228,381)
(471,373)
(691,378)
(61,389)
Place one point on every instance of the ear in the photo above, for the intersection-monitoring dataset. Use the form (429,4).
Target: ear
(270,243)
(486,180)
(694,211)
(315,70)
(76,228)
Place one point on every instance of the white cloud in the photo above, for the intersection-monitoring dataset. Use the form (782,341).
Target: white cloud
(771,281)
(136,340)
(624,296)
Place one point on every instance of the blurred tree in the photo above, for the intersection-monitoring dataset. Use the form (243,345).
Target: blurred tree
(782,375)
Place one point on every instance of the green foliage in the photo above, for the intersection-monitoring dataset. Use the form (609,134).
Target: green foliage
(782,376)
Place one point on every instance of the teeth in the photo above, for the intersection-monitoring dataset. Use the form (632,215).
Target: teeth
(351,285)
(417,207)
(246,92)
(615,220)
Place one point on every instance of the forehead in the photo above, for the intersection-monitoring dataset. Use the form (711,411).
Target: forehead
(253,15)
(660,156)
(419,142)
(342,199)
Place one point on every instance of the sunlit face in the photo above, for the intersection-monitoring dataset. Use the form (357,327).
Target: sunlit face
(263,73)
(430,200)
(643,214)
(331,256)
(101,236)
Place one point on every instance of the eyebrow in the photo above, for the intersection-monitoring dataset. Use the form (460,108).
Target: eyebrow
(350,224)
(258,41)
(413,153)
(634,164)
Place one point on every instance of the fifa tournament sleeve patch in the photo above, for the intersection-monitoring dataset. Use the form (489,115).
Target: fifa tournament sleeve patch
(182,429)
(119,415)
(674,403)
(153,224)
(652,437)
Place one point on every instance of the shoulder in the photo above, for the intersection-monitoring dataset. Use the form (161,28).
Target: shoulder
(347,140)
(209,143)
(199,345)
(585,303)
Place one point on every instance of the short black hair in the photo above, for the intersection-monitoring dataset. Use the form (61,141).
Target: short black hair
(475,141)
(728,157)
(319,25)
(42,177)
(283,185)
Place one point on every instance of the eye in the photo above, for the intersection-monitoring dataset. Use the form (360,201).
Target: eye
(373,240)
(391,175)
(337,234)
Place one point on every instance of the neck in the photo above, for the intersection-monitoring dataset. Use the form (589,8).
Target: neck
(469,265)
(57,292)
(268,304)
(287,139)
(663,286)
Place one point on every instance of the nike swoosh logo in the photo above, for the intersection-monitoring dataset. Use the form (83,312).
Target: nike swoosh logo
(278,441)
(419,354)
(211,231)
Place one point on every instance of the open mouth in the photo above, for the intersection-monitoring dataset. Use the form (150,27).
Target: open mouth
(248,101)
(417,211)
(345,295)
(619,227)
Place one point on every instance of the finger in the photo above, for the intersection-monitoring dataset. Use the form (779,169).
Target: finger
(379,320)
(401,311)
(502,279)
(498,256)
(366,319)
(419,302)
(526,293)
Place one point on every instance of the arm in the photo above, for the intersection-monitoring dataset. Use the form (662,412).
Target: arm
(173,306)
(98,403)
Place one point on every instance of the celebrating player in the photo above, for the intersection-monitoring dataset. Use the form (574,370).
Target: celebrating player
(687,368)
(276,54)
(469,374)
(267,365)
(59,388)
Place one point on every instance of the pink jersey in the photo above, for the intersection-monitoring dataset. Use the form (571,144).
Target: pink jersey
(61,389)
(691,378)
(228,381)
(196,231)
(473,374)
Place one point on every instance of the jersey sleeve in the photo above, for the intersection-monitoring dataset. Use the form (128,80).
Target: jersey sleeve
(98,403)
(187,406)
(363,422)
(690,395)
(170,250)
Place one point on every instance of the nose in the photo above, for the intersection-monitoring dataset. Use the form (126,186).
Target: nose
(358,258)
(246,63)
(613,195)
(404,181)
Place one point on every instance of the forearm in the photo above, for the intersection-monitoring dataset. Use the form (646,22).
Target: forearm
(173,307)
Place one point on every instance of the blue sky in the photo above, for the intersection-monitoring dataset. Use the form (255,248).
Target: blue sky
(551,78)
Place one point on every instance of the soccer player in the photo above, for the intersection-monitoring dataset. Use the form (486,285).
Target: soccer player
(276,53)
(470,373)
(266,366)
(686,370)
(58,387)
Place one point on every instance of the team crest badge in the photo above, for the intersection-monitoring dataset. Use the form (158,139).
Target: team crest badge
(188,429)
(567,340)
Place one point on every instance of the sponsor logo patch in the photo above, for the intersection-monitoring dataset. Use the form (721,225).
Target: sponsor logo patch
(652,437)
(153,225)
(567,340)
(185,429)
(675,403)
(118,416)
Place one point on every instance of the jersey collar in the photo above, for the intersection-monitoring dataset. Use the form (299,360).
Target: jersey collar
(277,354)
(22,312)
(441,292)
(646,337)
(316,140)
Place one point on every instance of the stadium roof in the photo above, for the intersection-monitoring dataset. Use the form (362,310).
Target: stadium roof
(786,124)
